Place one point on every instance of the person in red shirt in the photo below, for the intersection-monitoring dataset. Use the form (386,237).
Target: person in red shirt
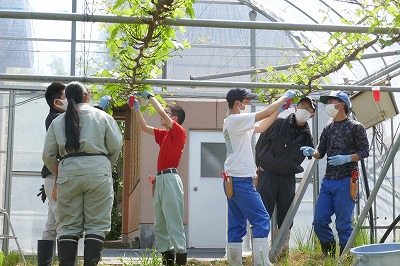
(168,194)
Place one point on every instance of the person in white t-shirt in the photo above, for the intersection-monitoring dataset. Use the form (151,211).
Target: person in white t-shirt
(246,203)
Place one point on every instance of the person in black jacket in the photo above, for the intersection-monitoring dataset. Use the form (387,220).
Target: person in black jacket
(55,98)
(279,159)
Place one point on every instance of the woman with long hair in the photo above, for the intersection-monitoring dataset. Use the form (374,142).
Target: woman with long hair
(89,142)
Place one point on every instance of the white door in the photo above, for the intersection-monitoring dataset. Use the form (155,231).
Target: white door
(207,201)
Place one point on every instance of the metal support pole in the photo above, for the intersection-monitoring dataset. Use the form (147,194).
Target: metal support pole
(73,41)
(393,182)
(9,163)
(382,174)
(316,171)
(207,23)
(284,229)
(191,83)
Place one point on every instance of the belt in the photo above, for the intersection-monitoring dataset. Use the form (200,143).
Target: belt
(168,171)
(78,154)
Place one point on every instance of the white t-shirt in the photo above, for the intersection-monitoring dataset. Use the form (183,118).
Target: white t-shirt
(238,129)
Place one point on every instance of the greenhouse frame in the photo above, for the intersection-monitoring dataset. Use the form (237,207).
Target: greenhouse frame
(233,44)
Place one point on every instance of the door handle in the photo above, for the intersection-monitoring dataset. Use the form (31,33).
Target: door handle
(195,188)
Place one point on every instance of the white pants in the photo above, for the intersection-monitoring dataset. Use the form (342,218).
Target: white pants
(52,224)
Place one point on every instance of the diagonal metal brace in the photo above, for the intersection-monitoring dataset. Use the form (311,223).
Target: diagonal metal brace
(294,206)
(372,197)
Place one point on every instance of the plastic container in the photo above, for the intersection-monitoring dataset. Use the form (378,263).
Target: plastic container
(385,254)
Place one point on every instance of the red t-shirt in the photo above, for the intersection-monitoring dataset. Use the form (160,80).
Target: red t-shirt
(171,144)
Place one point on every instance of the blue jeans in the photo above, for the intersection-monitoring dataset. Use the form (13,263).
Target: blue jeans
(246,204)
(334,198)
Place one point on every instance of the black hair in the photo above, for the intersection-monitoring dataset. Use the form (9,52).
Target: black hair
(53,91)
(74,92)
(230,104)
(346,108)
(177,111)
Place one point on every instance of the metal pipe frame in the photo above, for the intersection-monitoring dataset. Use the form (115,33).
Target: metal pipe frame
(383,72)
(371,199)
(283,67)
(188,83)
(206,23)
(9,163)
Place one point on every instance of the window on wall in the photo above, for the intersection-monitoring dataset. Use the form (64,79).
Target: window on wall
(213,156)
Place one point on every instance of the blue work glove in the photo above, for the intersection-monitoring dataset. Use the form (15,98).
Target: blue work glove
(136,105)
(339,159)
(290,94)
(144,94)
(307,151)
(105,102)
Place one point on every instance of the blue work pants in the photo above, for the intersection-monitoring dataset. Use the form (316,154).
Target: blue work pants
(246,204)
(334,198)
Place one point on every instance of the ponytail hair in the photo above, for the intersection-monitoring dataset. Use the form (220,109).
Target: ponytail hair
(74,92)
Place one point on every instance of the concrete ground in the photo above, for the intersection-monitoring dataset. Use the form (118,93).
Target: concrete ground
(127,255)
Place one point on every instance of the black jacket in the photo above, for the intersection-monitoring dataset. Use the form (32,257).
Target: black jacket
(50,117)
(278,148)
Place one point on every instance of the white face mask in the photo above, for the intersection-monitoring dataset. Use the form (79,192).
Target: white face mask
(302,115)
(246,110)
(331,110)
(63,106)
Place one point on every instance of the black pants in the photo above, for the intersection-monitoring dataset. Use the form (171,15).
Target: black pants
(276,190)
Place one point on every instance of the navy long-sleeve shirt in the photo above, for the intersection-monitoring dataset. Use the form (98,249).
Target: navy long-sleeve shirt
(343,138)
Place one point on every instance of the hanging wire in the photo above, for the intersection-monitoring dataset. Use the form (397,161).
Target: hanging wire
(31,99)
(86,45)
(383,152)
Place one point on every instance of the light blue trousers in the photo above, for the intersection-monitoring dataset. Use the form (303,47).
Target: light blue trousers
(334,198)
(168,213)
(246,204)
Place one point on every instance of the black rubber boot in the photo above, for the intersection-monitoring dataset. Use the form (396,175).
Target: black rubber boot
(181,258)
(67,250)
(92,251)
(45,250)
(329,249)
(168,258)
